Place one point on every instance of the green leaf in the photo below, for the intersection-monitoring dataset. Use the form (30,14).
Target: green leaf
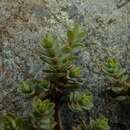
(121,98)
(117,89)
(71,36)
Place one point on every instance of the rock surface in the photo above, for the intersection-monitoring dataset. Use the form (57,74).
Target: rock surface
(24,22)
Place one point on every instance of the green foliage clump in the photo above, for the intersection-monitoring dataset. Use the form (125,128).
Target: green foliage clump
(26,88)
(11,122)
(79,101)
(118,78)
(100,124)
(114,70)
(34,88)
(60,58)
(43,114)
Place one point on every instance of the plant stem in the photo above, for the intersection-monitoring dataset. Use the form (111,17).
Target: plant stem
(58,110)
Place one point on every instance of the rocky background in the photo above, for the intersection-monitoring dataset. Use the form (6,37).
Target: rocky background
(24,22)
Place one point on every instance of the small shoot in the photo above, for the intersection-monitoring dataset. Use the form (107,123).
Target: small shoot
(79,101)
(11,122)
(43,114)
(100,124)
(118,78)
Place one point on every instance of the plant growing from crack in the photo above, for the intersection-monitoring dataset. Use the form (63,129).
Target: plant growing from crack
(119,83)
(59,87)
(100,123)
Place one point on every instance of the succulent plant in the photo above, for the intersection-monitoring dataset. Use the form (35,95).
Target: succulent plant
(43,114)
(11,122)
(60,58)
(100,123)
(79,101)
(113,69)
(35,87)
(75,35)
(118,78)
(26,88)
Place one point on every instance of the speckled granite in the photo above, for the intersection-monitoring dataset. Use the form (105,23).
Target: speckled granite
(24,22)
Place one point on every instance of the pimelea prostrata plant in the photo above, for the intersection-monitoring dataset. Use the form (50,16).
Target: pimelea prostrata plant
(59,87)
